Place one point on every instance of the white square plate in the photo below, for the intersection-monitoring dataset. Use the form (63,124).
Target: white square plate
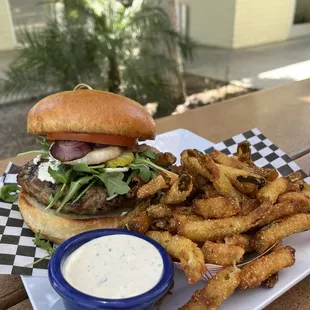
(42,295)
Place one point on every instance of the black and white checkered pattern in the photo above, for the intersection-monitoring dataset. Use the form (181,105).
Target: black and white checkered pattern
(18,250)
(16,246)
(264,152)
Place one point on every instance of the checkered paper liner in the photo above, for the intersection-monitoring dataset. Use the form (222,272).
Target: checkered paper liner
(18,250)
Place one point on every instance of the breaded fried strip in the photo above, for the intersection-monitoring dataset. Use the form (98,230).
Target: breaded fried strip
(179,190)
(280,210)
(165,159)
(209,192)
(223,159)
(271,281)
(233,173)
(247,188)
(254,273)
(306,189)
(246,182)
(152,187)
(216,208)
(296,197)
(273,190)
(197,163)
(244,152)
(217,289)
(247,207)
(158,211)
(185,210)
(242,240)
(183,249)
(200,231)
(276,231)
(221,253)
(140,223)
(244,155)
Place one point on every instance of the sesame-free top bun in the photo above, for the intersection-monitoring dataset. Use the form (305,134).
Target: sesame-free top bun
(91,111)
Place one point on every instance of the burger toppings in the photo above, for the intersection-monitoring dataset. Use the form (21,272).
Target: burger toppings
(111,167)
(44,168)
(93,138)
(121,161)
(98,155)
(9,193)
(69,150)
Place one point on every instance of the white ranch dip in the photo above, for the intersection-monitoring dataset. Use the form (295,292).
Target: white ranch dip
(115,267)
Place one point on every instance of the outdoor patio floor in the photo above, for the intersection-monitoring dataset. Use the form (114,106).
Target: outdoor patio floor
(259,67)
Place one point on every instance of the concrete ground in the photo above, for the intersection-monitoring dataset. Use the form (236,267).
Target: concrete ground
(258,67)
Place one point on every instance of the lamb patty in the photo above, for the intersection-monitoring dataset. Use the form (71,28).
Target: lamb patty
(93,202)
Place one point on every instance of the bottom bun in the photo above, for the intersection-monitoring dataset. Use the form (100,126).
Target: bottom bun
(58,228)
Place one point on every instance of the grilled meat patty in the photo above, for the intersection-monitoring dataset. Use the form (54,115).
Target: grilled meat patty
(93,202)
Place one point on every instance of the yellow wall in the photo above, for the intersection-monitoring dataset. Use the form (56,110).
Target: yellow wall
(211,22)
(6,34)
(261,21)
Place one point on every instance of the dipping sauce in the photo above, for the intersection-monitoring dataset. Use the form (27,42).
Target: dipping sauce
(114,267)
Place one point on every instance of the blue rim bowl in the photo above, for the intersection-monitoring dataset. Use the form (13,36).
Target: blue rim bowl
(75,299)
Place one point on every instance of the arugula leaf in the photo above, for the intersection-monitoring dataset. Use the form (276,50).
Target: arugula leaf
(54,199)
(148,154)
(74,188)
(44,148)
(132,175)
(144,170)
(153,175)
(62,175)
(45,245)
(7,193)
(114,183)
(84,191)
(83,167)
(43,143)
(39,152)
(150,164)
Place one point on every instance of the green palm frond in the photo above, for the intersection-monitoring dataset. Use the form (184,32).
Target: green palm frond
(130,49)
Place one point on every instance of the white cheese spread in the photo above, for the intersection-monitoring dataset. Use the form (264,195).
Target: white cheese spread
(37,159)
(114,267)
(43,174)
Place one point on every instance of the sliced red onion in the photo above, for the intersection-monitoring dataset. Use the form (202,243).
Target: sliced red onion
(69,150)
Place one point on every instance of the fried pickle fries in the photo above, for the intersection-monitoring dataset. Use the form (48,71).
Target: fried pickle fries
(244,155)
(306,190)
(200,231)
(217,289)
(276,231)
(179,190)
(280,210)
(165,159)
(296,197)
(185,250)
(271,281)
(216,208)
(196,163)
(242,240)
(222,254)
(273,190)
(152,187)
(254,273)
(209,192)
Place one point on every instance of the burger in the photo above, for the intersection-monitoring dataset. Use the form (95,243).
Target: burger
(85,173)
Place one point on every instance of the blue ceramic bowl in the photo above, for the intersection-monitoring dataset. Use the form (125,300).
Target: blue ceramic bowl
(76,300)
